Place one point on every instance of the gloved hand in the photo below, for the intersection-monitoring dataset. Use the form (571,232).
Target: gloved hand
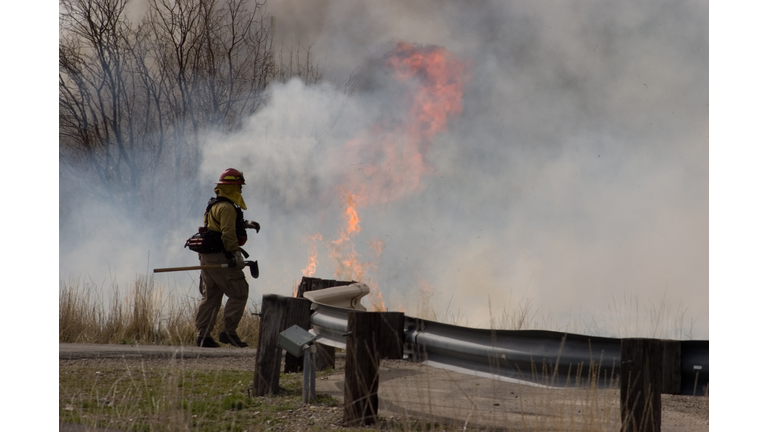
(252,225)
(237,260)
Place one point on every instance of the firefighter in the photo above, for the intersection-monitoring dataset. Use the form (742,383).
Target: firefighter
(224,217)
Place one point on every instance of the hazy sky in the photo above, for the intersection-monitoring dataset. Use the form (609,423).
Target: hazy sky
(575,178)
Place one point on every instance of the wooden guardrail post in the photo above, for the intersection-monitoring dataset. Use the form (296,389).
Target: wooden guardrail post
(293,363)
(641,383)
(371,337)
(277,314)
(298,315)
(325,358)
(391,334)
(361,374)
(671,377)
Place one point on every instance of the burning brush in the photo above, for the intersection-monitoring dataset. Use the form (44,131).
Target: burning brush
(393,152)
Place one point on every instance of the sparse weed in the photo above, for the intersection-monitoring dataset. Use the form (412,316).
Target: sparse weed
(144,316)
(157,398)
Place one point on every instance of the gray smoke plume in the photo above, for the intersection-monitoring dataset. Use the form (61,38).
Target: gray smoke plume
(575,177)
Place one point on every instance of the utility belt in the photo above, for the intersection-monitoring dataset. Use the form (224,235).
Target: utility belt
(209,241)
(205,241)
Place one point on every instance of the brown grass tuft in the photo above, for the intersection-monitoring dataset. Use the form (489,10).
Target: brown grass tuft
(144,316)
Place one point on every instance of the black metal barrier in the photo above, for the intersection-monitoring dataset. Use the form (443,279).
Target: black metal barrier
(538,357)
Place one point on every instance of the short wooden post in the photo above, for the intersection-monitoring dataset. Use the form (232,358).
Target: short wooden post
(641,378)
(325,357)
(305,285)
(372,337)
(293,363)
(276,311)
(298,314)
(391,335)
(671,377)
(361,375)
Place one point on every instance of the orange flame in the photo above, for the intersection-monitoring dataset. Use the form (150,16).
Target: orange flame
(377,302)
(377,246)
(393,152)
(312,265)
(342,250)
(353,222)
(441,89)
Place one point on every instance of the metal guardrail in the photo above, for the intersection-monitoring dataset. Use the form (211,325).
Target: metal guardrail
(531,356)
(694,366)
(347,296)
(534,357)
(330,324)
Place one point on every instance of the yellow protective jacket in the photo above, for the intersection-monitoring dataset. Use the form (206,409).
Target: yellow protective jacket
(223,216)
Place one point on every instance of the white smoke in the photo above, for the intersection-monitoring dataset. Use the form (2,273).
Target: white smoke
(576,176)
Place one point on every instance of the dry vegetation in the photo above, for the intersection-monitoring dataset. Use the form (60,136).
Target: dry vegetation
(143,316)
(629,316)
(213,395)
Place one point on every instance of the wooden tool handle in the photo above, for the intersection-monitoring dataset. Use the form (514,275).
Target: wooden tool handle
(204,267)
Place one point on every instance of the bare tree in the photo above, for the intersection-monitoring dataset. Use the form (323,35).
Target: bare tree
(134,98)
(95,101)
(299,63)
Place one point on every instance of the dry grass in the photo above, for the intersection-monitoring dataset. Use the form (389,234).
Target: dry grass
(169,398)
(628,316)
(143,315)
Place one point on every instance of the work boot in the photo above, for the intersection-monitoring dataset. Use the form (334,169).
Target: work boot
(232,340)
(206,342)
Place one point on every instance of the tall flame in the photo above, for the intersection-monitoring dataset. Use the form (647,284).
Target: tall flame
(342,250)
(353,222)
(440,92)
(393,152)
(312,264)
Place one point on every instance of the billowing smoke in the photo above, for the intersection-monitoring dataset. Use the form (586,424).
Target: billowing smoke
(574,179)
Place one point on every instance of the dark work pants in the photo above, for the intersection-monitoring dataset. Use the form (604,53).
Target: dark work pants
(214,284)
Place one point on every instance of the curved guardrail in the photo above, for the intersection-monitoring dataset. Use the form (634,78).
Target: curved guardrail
(535,357)
(347,296)
(329,323)
(532,356)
